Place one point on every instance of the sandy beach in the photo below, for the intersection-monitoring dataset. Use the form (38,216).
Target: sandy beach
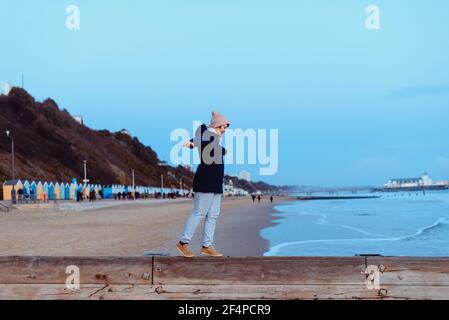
(130,228)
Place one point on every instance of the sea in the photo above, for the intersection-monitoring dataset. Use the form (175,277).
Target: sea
(396,224)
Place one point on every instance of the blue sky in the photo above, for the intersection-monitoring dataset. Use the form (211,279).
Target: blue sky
(353,106)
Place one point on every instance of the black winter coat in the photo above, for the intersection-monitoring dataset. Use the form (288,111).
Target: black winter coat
(210,173)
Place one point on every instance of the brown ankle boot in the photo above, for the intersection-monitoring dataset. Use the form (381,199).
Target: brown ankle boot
(184,249)
(210,251)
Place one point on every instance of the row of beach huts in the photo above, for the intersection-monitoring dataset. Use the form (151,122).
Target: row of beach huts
(43,190)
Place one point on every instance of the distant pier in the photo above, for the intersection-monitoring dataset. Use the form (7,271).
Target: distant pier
(309,198)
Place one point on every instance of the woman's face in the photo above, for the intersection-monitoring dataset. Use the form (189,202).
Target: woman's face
(222,129)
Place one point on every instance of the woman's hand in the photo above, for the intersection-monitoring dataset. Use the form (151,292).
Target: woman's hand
(189,144)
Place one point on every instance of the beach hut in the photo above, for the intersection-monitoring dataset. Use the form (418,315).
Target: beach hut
(51,191)
(116,188)
(33,188)
(26,187)
(86,190)
(8,186)
(45,187)
(62,187)
(79,190)
(67,192)
(107,192)
(61,191)
(39,190)
(56,191)
(100,190)
(73,190)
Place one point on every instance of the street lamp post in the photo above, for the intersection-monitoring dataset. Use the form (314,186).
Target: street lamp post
(162,164)
(13,166)
(85,172)
(85,181)
(134,185)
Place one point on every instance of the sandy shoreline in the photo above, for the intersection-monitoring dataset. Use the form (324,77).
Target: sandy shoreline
(130,228)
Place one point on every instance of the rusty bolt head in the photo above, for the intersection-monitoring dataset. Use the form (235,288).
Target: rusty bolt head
(100,277)
(383,292)
(159,290)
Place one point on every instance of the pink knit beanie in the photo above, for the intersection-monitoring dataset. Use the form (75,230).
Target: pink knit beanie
(218,120)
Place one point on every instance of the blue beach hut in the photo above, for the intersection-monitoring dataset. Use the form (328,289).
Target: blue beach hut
(61,191)
(67,191)
(26,187)
(33,190)
(51,191)
(45,188)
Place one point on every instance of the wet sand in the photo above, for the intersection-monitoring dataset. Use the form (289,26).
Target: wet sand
(130,228)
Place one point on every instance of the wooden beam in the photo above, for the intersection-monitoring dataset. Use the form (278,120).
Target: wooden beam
(260,270)
(52,270)
(181,292)
(224,278)
(401,271)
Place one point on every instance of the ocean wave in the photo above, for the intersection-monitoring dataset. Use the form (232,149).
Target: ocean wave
(440,222)
(323,220)
(427,229)
(322,217)
(366,233)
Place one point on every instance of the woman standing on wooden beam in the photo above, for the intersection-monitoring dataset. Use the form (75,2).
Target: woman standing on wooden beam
(207,185)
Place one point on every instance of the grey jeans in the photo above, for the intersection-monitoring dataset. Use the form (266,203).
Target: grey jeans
(206,205)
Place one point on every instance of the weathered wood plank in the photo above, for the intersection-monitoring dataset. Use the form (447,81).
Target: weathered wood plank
(176,292)
(260,270)
(261,292)
(216,292)
(403,271)
(406,292)
(93,270)
(226,278)
(50,292)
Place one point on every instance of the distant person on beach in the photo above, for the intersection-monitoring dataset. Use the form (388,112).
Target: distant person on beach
(20,193)
(271,199)
(254,198)
(207,185)
(258,198)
